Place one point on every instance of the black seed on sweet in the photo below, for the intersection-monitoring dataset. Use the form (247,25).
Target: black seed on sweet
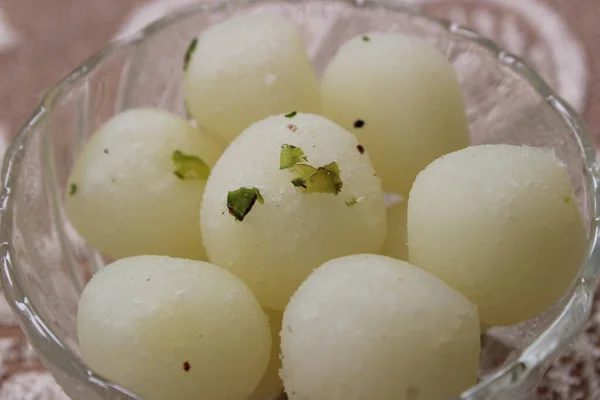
(359,123)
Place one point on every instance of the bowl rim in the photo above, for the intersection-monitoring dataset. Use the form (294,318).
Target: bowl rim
(55,352)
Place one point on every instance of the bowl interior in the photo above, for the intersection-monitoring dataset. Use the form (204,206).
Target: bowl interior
(47,263)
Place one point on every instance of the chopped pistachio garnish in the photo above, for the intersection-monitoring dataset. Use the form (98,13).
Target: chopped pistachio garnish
(354,200)
(366,38)
(189,52)
(290,156)
(189,166)
(241,201)
(303,173)
(299,182)
(567,199)
(72,189)
(291,115)
(324,179)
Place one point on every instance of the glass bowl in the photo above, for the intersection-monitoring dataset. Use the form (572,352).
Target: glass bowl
(46,264)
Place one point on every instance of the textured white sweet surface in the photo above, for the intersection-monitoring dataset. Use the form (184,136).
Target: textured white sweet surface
(174,329)
(372,327)
(126,186)
(400,96)
(500,224)
(248,68)
(279,242)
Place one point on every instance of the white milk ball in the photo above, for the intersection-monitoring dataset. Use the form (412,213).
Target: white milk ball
(500,224)
(395,244)
(400,96)
(137,185)
(271,386)
(290,230)
(245,69)
(173,329)
(372,327)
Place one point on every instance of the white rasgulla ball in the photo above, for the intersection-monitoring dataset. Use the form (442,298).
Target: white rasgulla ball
(395,244)
(248,68)
(271,386)
(501,224)
(400,96)
(174,329)
(123,194)
(280,242)
(372,327)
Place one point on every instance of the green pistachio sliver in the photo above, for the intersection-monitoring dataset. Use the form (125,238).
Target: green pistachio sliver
(189,52)
(354,200)
(302,173)
(291,115)
(324,179)
(241,201)
(299,182)
(72,189)
(290,156)
(189,167)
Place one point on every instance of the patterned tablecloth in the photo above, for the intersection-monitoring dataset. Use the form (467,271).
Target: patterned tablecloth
(40,41)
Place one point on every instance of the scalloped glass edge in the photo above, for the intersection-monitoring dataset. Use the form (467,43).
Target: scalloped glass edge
(563,329)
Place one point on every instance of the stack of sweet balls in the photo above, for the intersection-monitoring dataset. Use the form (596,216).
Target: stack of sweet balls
(255,250)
